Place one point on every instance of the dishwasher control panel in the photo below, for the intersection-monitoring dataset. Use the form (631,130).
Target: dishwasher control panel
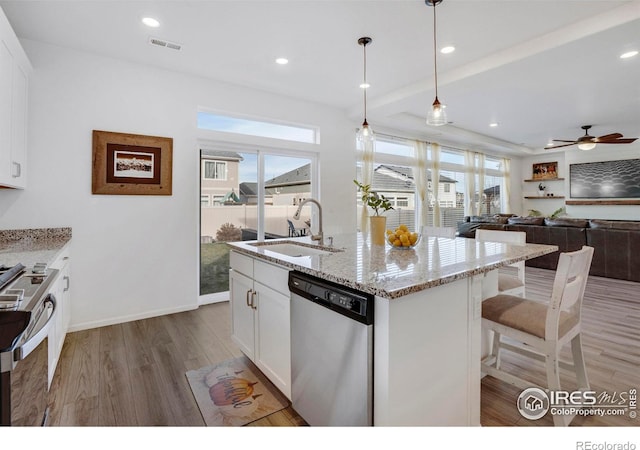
(352,303)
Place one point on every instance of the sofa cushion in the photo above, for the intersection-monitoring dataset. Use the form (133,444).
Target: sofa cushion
(566,222)
(468,229)
(529,220)
(614,224)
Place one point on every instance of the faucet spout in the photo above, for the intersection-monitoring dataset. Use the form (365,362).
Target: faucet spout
(316,237)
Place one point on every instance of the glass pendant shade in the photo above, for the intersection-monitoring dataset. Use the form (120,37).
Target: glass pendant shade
(436,115)
(366,134)
(587,146)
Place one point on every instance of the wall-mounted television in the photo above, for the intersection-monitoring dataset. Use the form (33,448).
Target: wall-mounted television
(606,179)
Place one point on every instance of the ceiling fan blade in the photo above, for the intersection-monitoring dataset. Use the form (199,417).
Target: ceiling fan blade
(562,140)
(558,146)
(620,141)
(607,137)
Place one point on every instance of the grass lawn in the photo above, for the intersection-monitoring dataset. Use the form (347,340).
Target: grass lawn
(214,268)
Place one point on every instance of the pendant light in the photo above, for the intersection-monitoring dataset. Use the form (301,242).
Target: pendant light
(365,134)
(436,115)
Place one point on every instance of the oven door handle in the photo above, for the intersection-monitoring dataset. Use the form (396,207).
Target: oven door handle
(39,334)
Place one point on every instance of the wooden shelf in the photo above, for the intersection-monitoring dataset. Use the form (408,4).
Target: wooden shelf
(544,198)
(603,202)
(546,179)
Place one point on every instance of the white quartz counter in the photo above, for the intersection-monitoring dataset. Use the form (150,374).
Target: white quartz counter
(390,272)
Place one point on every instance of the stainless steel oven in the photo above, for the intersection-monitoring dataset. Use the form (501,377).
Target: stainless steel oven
(26,314)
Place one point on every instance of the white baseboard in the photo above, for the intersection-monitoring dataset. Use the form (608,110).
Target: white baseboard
(213,298)
(129,318)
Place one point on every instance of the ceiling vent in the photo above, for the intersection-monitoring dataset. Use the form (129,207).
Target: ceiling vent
(164,43)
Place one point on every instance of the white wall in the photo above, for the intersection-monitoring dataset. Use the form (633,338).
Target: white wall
(137,256)
(575,156)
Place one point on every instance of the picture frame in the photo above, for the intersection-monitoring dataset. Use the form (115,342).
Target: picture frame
(605,179)
(545,170)
(131,164)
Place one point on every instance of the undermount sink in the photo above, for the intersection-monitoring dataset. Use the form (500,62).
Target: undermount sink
(293,249)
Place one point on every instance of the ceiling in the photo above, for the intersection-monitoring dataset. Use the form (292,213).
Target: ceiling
(540,68)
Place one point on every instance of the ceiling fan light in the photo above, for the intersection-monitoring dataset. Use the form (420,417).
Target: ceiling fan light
(587,146)
(436,116)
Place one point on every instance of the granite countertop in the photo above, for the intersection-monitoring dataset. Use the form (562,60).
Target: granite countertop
(391,273)
(30,246)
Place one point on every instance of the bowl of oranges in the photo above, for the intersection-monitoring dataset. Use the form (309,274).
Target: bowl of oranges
(402,238)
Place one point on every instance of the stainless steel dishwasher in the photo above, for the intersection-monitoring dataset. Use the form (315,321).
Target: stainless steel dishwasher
(331,352)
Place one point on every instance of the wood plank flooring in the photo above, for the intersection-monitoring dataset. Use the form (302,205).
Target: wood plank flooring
(133,374)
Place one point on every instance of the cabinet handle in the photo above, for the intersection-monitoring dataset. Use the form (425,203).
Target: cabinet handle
(17,173)
(65,278)
(248,301)
(253,297)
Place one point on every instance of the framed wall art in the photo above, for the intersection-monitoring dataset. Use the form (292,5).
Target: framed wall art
(131,164)
(545,171)
(606,179)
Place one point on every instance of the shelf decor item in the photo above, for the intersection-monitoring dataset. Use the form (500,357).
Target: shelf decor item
(131,164)
(379,203)
(541,188)
(545,171)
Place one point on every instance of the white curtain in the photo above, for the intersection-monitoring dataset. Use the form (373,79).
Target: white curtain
(420,178)
(435,182)
(367,178)
(506,182)
(480,171)
(470,184)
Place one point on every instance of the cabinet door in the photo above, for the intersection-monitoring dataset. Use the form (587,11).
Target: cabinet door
(273,337)
(242,316)
(19,128)
(6,73)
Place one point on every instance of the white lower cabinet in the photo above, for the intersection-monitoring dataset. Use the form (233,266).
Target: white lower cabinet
(61,291)
(261,317)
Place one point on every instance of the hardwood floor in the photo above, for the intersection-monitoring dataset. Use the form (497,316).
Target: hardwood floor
(133,374)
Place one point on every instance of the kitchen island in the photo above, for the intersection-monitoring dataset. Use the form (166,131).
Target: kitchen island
(427,333)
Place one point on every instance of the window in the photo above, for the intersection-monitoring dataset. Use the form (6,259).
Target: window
(215,170)
(447,187)
(402,202)
(254,127)
(217,200)
(204,200)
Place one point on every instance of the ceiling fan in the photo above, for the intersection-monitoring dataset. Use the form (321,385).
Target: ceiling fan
(587,142)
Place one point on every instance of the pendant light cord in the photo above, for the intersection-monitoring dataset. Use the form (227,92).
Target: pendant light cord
(435,59)
(364,49)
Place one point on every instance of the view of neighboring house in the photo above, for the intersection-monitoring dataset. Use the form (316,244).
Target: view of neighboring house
(220,179)
(291,187)
(397,184)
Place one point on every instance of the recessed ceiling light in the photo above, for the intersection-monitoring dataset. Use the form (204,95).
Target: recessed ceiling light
(282,61)
(448,49)
(630,54)
(365,85)
(493,124)
(151,22)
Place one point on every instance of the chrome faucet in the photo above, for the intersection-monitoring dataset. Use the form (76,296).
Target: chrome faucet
(315,237)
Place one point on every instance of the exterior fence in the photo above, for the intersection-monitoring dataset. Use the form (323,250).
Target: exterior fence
(246,216)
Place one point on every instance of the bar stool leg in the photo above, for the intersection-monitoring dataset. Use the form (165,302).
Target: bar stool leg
(578,363)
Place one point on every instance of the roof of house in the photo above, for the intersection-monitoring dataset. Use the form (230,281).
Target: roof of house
(248,189)
(220,155)
(297,176)
(390,178)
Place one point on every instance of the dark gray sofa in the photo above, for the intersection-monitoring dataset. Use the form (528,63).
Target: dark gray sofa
(616,243)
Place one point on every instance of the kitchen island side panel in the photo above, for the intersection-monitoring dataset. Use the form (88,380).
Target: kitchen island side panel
(427,356)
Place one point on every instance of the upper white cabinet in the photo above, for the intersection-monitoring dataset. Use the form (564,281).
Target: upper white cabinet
(14,75)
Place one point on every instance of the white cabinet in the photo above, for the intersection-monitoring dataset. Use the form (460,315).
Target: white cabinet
(260,313)
(61,291)
(14,72)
